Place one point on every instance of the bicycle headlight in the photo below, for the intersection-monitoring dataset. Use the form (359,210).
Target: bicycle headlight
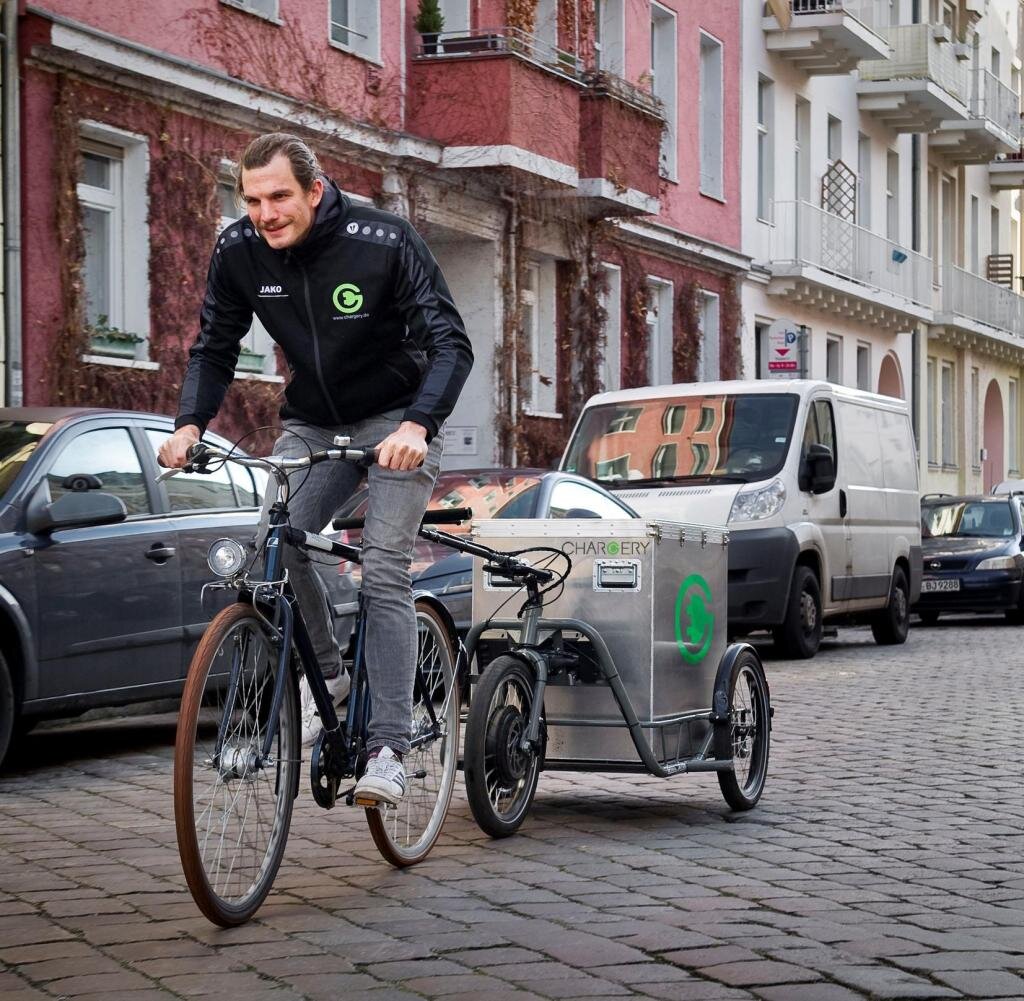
(226,557)
(763,502)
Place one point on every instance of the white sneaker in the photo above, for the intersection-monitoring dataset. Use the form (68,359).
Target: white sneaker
(383,781)
(337,688)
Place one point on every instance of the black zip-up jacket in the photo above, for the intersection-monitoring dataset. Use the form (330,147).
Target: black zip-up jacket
(360,309)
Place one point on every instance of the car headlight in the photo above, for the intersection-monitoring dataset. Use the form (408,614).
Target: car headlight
(226,557)
(763,502)
(1001,563)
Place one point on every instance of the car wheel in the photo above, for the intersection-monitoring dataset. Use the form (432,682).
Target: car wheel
(7,711)
(891,625)
(799,634)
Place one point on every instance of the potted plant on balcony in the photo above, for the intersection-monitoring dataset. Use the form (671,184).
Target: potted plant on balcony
(107,340)
(429,23)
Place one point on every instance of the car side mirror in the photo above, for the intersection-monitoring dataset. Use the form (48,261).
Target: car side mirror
(818,469)
(580,512)
(75,510)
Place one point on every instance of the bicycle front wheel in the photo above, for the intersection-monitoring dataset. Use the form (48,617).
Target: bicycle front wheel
(232,806)
(406,833)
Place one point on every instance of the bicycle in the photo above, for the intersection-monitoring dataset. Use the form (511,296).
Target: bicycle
(237,754)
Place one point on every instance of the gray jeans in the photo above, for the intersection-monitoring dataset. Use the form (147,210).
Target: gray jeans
(397,500)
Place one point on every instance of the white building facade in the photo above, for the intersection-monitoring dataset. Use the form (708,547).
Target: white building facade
(881,209)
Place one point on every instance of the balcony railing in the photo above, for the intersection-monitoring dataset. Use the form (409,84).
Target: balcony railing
(807,235)
(873,14)
(917,54)
(501,41)
(603,82)
(996,102)
(971,296)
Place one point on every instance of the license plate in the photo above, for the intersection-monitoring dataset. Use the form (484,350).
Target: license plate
(941,585)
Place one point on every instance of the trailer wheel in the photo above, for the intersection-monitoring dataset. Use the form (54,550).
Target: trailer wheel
(745,736)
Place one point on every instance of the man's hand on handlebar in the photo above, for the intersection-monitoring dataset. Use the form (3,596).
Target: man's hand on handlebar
(405,448)
(173,453)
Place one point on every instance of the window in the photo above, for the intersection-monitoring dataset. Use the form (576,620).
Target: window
(265,8)
(801,152)
(946,405)
(538,299)
(624,419)
(611,348)
(109,455)
(933,413)
(257,354)
(972,434)
(711,113)
(455,13)
(545,24)
(664,462)
(663,81)
(993,231)
(355,26)
(113,201)
(609,35)
(707,419)
(612,469)
(863,181)
(659,332)
(821,427)
(765,149)
(834,359)
(1012,418)
(197,491)
(701,457)
(975,240)
(834,137)
(672,419)
(863,366)
(995,62)
(708,367)
(892,196)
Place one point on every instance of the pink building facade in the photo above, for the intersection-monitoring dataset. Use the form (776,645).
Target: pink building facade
(573,165)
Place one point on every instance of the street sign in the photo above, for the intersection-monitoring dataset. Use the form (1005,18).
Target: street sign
(785,350)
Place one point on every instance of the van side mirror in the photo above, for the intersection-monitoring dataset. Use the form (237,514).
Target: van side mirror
(818,469)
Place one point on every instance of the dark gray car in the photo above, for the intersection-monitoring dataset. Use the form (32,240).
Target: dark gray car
(99,611)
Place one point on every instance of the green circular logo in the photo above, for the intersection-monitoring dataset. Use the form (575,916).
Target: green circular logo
(613,548)
(347,298)
(694,603)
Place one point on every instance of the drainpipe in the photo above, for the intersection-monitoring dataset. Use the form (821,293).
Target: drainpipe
(11,151)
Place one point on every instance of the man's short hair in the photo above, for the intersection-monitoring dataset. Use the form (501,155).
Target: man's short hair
(263,149)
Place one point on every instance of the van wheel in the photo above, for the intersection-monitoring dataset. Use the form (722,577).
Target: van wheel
(799,635)
(891,625)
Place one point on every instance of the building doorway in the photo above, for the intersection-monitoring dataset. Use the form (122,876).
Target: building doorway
(992,437)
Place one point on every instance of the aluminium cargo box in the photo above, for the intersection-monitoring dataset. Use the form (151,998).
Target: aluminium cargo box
(655,591)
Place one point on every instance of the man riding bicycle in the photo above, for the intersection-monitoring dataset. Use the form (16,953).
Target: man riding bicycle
(378,352)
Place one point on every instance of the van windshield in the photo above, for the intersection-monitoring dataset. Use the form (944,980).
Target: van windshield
(721,438)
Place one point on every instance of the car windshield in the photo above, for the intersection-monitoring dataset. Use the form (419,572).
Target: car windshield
(18,440)
(725,438)
(968,519)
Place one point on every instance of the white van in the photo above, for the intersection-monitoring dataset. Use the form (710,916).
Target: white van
(816,483)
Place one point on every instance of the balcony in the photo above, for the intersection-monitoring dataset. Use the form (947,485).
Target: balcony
(922,84)
(828,36)
(973,306)
(620,140)
(499,98)
(993,128)
(1005,173)
(828,263)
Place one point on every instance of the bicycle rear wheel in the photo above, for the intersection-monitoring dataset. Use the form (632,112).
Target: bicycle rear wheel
(406,833)
(232,810)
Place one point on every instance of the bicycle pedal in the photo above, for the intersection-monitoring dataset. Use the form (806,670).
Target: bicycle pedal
(366,803)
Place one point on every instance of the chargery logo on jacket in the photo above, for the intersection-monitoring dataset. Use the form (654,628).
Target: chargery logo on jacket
(348,300)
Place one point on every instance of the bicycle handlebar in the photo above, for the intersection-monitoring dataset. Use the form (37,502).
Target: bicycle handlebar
(446,516)
(200,455)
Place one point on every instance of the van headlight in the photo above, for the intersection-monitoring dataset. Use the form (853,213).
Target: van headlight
(762,502)
(226,557)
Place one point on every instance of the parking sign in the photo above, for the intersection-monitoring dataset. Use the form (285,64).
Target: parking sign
(785,350)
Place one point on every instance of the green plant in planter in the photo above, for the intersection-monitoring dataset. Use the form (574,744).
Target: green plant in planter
(429,23)
(107,340)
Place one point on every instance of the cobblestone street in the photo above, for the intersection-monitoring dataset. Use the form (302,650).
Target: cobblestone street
(886,860)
